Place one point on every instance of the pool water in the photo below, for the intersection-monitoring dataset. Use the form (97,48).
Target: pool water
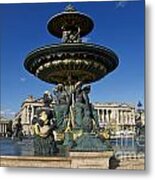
(25,147)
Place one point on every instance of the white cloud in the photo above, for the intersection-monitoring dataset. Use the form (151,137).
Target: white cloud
(22,79)
(121,4)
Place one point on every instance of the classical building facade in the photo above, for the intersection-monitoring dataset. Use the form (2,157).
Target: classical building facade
(27,112)
(119,116)
(3,126)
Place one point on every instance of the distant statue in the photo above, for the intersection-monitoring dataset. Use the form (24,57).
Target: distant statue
(44,142)
(47,99)
(9,129)
(17,130)
(61,108)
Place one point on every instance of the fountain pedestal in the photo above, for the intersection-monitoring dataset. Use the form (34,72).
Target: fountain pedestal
(89,160)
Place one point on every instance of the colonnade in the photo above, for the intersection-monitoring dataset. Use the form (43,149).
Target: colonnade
(3,128)
(120,116)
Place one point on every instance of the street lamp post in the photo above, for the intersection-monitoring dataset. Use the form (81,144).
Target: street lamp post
(138,120)
(139,108)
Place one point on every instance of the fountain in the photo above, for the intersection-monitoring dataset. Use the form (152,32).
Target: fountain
(71,65)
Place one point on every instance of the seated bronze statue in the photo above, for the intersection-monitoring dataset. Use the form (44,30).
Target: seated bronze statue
(44,142)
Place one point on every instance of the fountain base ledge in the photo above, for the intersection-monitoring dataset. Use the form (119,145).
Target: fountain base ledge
(88,160)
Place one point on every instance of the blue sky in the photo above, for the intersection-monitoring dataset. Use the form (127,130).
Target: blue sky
(118,25)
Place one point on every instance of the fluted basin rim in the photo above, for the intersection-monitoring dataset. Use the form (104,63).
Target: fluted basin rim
(90,53)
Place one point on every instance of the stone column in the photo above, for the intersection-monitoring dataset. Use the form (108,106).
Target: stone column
(103,116)
(129,116)
(98,115)
(27,114)
(2,128)
(133,116)
(107,116)
(117,116)
(129,120)
(121,117)
(112,114)
(32,113)
(5,127)
(126,117)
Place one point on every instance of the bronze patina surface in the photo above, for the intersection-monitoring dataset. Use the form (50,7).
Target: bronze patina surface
(71,61)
